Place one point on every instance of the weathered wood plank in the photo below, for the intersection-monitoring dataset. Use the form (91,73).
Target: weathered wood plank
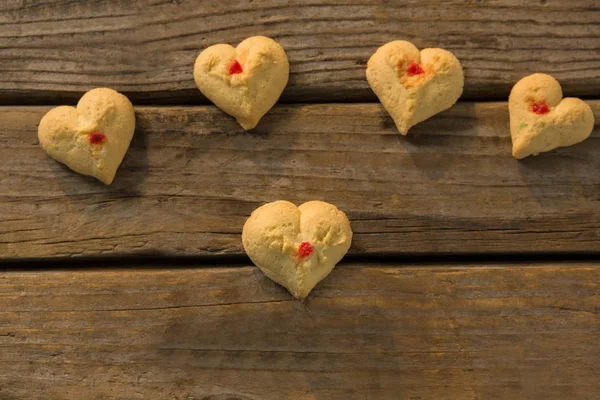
(193,176)
(402,332)
(52,51)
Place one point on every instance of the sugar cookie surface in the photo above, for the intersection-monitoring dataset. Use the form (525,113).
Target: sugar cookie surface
(93,138)
(245,81)
(414,85)
(541,120)
(297,246)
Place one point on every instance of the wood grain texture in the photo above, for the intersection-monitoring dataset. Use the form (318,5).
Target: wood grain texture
(398,332)
(52,51)
(193,176)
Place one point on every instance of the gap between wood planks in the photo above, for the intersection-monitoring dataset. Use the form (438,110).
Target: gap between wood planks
(239,261)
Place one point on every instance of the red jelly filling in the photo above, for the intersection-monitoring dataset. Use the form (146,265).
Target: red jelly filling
(97,138)
(414,69)
(235,68)
(305,249)
(540,108)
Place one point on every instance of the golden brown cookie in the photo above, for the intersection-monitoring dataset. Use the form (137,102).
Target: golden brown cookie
(297,246)
(93,138)
(245,81)
(413,85)
(541,120)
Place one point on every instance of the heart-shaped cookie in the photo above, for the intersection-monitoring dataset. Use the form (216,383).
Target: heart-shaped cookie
(297,246)
(541,120)
(245,81)
(93,138)
(413,85)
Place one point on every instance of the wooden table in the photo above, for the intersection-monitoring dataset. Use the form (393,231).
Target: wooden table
(471,275)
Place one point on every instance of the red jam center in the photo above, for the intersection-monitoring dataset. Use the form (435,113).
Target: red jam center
(414,69)
(305,249)
(97,138)
(235,68)
(540,108)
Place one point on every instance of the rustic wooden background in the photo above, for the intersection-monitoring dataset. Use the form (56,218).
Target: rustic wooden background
(471,276)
